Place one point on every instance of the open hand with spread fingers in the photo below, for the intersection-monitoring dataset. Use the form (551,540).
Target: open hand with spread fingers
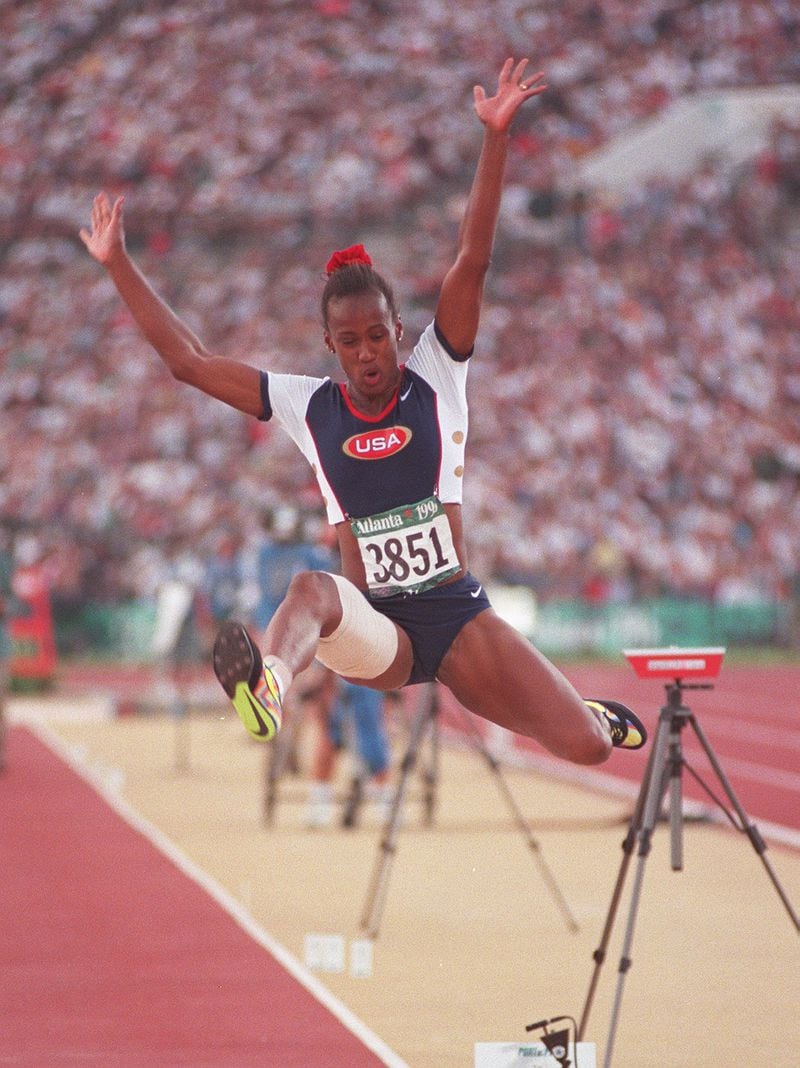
(107,235)
(513,88)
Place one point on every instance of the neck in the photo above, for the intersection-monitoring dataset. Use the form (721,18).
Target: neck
(372,405)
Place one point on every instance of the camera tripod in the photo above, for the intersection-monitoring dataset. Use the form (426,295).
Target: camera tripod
(664,773)
(425,722)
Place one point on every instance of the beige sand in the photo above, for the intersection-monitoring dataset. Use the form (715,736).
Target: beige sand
(472,945)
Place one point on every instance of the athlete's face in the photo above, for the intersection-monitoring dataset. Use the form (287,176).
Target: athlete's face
(364,335)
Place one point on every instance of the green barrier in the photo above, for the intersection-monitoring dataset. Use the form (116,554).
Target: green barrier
(701,622)
(560,627)
(106,631)
(569,627)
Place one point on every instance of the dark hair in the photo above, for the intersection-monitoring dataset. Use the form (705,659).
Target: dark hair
(352,279)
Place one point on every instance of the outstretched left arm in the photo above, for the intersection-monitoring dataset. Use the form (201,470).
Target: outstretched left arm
(458,309)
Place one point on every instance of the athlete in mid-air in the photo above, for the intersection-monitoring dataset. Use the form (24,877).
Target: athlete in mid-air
(387,447)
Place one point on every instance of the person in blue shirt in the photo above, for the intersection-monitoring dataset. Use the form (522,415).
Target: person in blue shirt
(282,553)
(355,719)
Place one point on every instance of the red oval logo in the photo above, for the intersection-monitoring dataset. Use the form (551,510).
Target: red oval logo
(377,444)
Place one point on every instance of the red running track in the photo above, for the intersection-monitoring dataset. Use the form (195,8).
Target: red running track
(751,720)
(113,955)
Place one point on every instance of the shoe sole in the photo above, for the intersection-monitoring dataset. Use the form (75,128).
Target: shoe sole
(237,665)
(629,718)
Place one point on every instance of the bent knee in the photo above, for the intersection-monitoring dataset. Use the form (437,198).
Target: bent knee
(582,742)
(308,583)
(591,745)
(364,644)
(316,590)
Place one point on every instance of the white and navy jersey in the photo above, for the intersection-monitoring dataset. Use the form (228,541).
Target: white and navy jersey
(365,464)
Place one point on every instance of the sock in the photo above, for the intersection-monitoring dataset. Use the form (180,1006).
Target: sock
(281,672)
(321,792)
(320,805)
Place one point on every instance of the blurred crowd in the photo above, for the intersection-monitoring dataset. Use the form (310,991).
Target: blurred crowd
(634,397)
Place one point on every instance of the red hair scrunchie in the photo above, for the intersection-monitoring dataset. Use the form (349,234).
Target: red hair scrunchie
(354,254)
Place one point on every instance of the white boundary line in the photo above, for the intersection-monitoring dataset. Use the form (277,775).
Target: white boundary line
(610,784)
(602,782)
(222,897)
(755,733)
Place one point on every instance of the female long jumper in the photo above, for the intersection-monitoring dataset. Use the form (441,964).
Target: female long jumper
(387,448)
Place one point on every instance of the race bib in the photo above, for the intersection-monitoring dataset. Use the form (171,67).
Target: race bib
(407,549)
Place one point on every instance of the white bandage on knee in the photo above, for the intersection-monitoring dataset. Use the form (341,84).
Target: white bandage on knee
(364,644)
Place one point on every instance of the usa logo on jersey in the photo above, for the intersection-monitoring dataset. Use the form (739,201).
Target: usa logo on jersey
(377,444)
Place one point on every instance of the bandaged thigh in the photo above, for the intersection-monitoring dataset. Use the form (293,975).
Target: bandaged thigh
(364,644)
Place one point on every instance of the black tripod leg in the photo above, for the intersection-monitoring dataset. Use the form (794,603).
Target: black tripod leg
(655,793)
(493,764)
(277,759)
(271,776)
(353,801)
(628,845)
(376,896)
(674,773)
(745,826)
(430,773)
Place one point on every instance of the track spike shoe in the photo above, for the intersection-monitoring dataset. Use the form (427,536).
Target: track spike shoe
(627,730)
(248,682)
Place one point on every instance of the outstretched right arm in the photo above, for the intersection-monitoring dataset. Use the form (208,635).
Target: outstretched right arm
(231,381)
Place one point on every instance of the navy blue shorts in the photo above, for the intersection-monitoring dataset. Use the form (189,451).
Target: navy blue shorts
(432,619)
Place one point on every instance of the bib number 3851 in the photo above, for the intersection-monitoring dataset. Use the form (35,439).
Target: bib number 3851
(407,549)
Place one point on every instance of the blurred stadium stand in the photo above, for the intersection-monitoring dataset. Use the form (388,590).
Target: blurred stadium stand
(635,435)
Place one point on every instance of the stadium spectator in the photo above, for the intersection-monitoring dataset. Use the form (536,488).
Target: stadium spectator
(679,301)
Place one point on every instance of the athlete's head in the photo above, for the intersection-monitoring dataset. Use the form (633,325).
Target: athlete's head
(362,326)
(350,273)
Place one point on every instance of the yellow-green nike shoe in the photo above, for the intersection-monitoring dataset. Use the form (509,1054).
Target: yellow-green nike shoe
(626,730)
(247,681)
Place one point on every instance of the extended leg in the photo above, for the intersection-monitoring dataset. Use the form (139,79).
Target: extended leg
(496,673)
(322,615)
